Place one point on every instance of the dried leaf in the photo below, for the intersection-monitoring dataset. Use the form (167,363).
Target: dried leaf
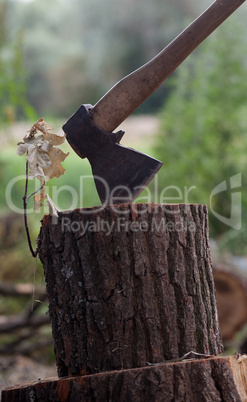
(22,148)
(44,161)
(55,169)
(38,161)
(39,125)
(38,200)
(54,139)
(45,146)
(33,140)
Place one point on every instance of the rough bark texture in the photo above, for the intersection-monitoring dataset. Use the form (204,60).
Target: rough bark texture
(231,294)
(129,286)
(212,380)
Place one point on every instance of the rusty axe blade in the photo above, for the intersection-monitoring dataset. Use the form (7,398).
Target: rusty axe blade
(111,110)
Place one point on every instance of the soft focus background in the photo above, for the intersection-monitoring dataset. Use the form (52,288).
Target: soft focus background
(56,55)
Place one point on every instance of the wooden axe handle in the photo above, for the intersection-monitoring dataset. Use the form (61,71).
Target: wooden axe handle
(117,104)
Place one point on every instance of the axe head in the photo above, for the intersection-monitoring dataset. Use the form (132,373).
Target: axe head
(120,173)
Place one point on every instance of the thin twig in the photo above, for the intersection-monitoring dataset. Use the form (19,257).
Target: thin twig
(36,191)
(25,199)
(35,305)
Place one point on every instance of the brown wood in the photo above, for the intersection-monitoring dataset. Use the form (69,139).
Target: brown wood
(111,110)
(212,380)
(128,285)
(231,295)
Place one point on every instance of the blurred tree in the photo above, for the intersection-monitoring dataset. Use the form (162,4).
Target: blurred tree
(75,51)
(13,95)
(205,127)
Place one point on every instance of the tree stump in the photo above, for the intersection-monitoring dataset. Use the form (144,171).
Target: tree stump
(129,285)
(130,292)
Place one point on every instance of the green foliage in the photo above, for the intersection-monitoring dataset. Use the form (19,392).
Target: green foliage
(234,241)
(75,51)
(202,138)
(13,95)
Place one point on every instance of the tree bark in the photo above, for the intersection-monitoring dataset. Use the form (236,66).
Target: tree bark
(128,285)
(212,380)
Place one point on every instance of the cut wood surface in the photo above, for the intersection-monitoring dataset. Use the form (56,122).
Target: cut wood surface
(208,380)
(129,285)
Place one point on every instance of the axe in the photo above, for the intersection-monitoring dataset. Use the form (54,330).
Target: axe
(121,173)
